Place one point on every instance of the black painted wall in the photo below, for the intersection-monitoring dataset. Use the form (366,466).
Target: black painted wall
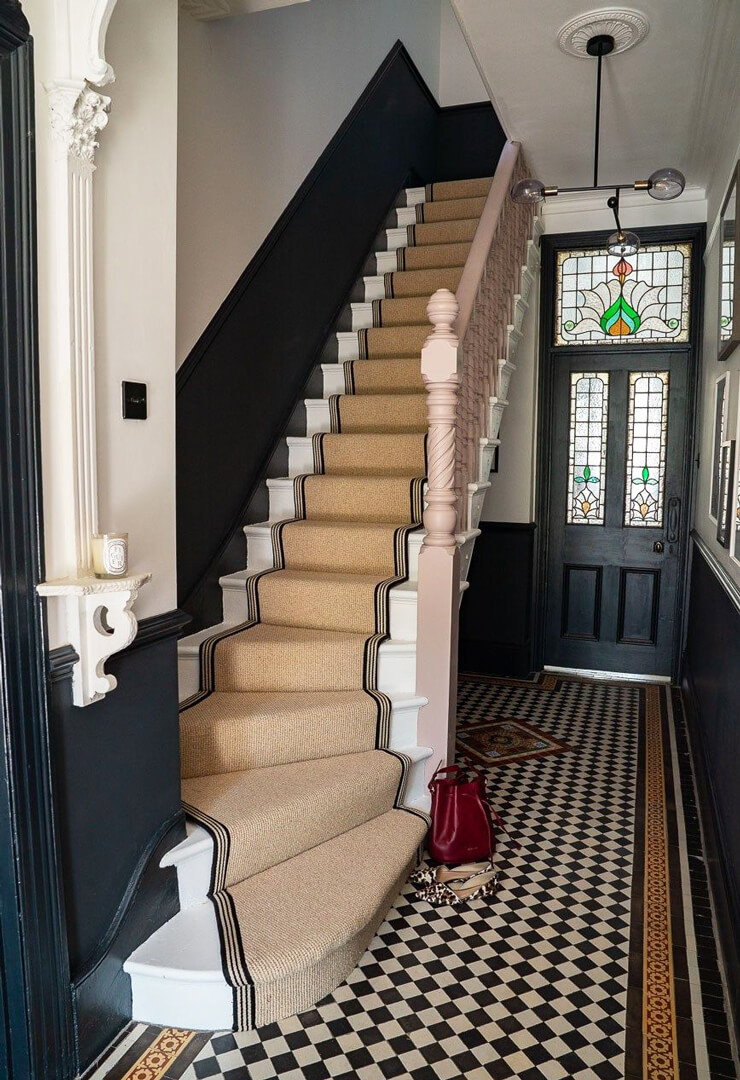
(496,612)
(238,387)
(117,789)
(711,681)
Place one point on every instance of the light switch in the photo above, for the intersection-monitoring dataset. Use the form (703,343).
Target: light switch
(133,400)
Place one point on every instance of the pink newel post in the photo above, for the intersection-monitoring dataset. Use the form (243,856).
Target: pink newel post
(439,560)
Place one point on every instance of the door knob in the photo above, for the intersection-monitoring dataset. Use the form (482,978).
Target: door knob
(658,547)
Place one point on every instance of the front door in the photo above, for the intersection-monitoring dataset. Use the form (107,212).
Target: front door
(617,520)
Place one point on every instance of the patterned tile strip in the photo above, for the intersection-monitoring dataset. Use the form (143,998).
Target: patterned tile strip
(660,1053)
(160,1056)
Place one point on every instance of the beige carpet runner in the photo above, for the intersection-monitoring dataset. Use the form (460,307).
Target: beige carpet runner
(284,749)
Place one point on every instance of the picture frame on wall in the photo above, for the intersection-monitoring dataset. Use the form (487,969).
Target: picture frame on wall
(727,474)
(719,436)
(729,272)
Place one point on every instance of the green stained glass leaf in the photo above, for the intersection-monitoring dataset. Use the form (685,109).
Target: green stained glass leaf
(620,319)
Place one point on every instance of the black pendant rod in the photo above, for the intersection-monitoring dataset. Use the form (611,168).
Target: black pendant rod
(598,121)
(599,46)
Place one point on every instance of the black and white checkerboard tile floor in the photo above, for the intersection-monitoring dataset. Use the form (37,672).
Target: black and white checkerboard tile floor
(532,984)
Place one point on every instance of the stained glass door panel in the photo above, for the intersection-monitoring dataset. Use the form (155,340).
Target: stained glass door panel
(616,526)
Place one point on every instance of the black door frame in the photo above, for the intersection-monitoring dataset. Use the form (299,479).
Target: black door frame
(36,1041)
(550,245)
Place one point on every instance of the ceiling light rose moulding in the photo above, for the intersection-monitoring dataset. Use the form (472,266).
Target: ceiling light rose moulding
(627,26)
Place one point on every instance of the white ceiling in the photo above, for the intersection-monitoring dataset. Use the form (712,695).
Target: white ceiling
(663,102)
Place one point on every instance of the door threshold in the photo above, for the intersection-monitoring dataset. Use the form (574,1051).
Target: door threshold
(612,676)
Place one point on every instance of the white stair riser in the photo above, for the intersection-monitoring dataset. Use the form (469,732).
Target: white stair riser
(398,238)
(300,456)
(503,378)
(495,413)
(362,316)
(374,288)
(317,416)
(386,262)
(165,992)
(192,860)
(466,544)
(259,549)
(181,1003)
(513,337)
(415,195)
(347,345)
(526,282)
(402,607)
(396,668)
(476,498)
(406,215)
(485,458)
(333,375)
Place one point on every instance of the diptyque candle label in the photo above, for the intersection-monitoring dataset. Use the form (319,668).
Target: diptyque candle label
(115,558)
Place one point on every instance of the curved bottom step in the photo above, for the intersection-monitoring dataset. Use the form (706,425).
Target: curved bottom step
(305,924)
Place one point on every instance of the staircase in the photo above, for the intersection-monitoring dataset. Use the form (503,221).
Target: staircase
(303,767)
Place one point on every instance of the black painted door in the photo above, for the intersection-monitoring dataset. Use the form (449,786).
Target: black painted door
(616,519)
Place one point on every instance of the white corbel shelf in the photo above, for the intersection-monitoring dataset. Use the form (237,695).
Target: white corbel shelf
(99,623)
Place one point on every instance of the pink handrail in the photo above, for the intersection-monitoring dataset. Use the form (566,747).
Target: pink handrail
(475,265)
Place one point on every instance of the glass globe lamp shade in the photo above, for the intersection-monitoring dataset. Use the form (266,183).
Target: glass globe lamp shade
(623,244)
(528,190)
(665,184)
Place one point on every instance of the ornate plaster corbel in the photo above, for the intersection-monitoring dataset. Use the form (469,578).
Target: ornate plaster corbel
(78,115)
(99,623)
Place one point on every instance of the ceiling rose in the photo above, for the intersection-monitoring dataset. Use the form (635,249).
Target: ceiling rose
(626,26)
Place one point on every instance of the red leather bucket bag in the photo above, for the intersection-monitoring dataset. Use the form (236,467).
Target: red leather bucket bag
(462,830)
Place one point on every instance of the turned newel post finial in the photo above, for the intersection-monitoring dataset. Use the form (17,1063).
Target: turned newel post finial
(442,310)
(440,374)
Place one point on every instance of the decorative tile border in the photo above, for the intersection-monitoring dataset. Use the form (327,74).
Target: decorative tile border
(659,1041)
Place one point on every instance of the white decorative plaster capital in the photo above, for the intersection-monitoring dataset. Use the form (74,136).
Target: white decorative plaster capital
(78,115)
(99,623)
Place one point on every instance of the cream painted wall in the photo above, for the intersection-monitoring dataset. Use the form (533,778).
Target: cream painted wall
(260,97)
(459,81)
(135,280)
(711,370)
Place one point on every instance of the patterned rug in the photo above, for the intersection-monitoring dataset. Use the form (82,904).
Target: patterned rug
(585,965)
(505,741)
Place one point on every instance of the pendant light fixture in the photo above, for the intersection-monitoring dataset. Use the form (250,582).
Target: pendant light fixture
(625,28)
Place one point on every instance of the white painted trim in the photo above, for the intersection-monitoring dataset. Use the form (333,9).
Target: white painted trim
(78,115)
(637,209)
(619,676)
(502,111)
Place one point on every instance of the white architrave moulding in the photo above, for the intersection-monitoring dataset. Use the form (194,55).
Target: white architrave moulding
(100,623)
(97,612)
